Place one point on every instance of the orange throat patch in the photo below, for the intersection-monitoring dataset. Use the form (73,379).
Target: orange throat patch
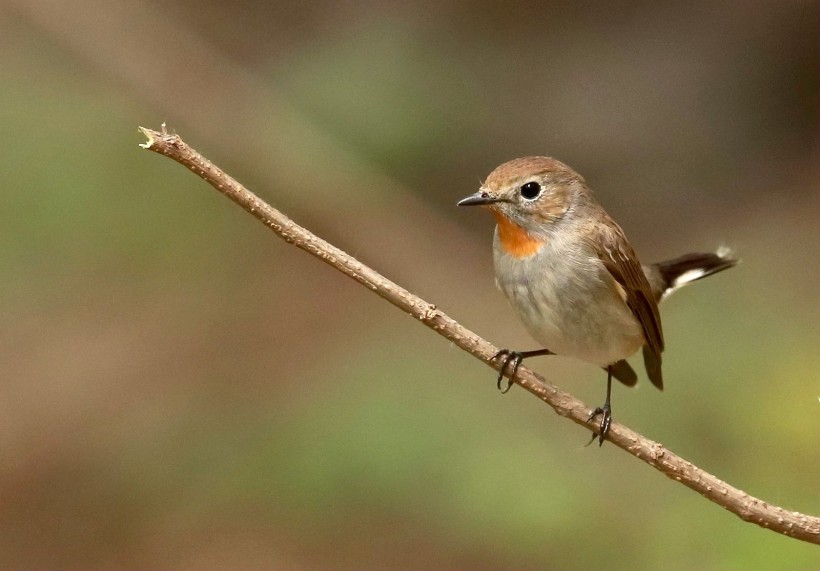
(514,239)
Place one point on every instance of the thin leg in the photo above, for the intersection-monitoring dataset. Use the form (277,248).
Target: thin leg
(514,357)
(606,411)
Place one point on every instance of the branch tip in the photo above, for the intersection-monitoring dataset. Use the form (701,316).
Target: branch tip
(149,134)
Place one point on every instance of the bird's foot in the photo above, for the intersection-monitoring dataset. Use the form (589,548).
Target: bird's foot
(508,356)
(606,421)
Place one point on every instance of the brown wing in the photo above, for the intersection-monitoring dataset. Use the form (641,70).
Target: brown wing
(622,263)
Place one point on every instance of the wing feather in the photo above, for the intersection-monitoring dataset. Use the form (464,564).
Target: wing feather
(620,260)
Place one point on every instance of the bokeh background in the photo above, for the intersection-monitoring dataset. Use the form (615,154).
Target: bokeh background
(181,389)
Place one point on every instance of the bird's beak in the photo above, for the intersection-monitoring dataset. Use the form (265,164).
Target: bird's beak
(480,198)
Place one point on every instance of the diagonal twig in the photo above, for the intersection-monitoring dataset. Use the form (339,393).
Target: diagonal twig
(751,509)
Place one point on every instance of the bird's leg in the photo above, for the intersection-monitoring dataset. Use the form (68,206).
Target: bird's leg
(606,411)
(514,357)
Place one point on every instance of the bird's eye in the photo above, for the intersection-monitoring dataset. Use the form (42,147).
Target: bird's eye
(530,190)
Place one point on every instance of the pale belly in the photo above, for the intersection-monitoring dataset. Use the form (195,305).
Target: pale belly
(570,307)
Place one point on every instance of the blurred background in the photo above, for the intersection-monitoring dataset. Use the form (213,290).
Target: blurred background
(181,389)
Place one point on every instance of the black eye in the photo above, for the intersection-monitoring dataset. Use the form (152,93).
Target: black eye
(530,190)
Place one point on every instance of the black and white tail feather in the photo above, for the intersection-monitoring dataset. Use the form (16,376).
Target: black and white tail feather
(671,275)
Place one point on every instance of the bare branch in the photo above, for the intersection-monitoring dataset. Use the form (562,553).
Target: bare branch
(751,509)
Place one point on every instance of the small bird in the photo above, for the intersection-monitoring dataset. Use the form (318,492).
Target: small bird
(572,276)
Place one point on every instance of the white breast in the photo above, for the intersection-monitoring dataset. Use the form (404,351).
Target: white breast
(568,302)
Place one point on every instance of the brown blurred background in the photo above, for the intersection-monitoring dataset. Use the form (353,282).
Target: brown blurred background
(183,390)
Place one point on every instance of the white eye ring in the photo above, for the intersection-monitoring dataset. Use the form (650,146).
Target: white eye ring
(530,190)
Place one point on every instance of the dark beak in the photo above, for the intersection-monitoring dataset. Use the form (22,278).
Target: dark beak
(480,198)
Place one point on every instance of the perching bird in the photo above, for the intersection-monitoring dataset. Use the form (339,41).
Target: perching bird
(572,276)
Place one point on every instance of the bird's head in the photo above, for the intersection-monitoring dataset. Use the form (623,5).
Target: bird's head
(528,196)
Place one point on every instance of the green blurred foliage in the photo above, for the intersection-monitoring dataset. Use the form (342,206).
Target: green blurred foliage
(182,390)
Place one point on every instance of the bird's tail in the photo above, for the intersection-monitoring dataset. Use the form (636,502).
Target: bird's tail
(671,275)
